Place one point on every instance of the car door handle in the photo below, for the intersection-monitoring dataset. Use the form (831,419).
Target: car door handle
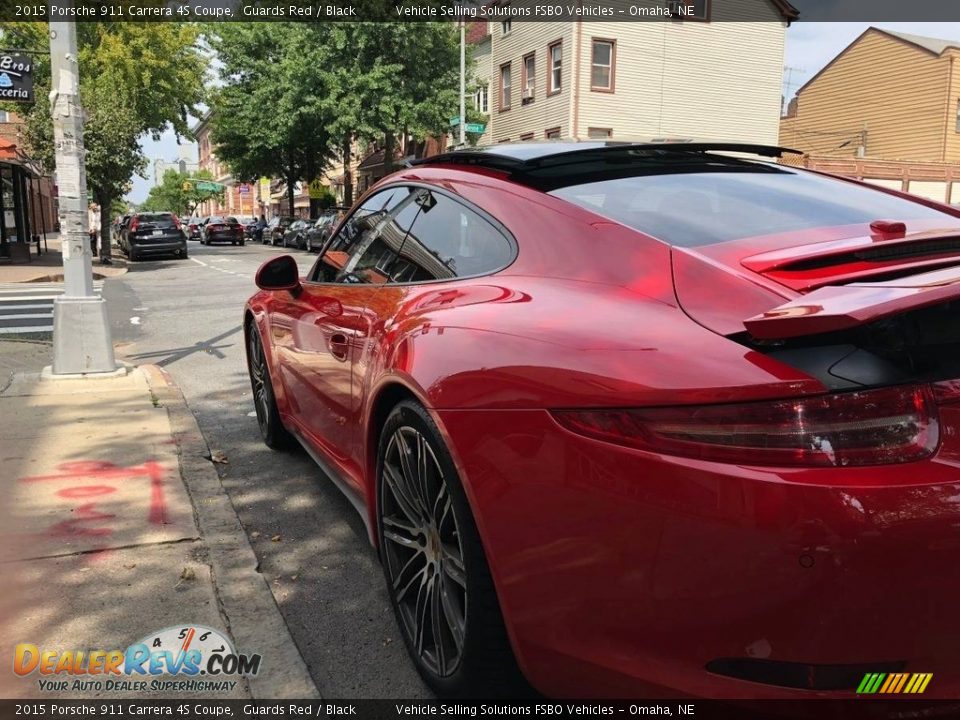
(339,346)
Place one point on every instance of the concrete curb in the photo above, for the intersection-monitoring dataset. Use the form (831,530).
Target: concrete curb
(255,622)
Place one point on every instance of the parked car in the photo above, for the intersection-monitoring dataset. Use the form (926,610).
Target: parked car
(275,230)
(118,228)
(636,418)
(296,234)
(152,234)
(220,228)
(319,232)
(250,229)
(193,226)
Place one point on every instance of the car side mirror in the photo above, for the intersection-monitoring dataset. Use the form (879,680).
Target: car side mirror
(279,273)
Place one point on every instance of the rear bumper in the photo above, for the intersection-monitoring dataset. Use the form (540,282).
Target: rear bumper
(625,574)
(160,248)
(224,237)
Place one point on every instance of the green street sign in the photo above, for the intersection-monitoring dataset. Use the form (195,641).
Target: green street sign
(206,185)
(454,121)
(476,127)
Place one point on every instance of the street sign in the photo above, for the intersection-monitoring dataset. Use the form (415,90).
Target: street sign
(208,186)
(188,187)
(16,78)
(317,189)
(455,121)
(476,127)
(244,189)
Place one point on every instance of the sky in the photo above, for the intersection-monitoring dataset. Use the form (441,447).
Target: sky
(810,46)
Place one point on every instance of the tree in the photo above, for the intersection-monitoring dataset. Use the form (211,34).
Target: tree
(135,78)
(271,116)
(179,193)
(400,78)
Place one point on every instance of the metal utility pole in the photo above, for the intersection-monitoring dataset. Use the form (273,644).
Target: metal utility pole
(463,83)
(81,333)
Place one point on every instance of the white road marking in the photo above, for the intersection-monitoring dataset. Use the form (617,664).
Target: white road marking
(135,320)
(22,330)
(25,316)
(199,262)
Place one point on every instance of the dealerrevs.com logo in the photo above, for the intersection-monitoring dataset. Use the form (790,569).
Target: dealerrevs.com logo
(176,659)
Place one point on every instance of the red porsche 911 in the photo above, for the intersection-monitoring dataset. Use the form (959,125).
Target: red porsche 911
(637,419)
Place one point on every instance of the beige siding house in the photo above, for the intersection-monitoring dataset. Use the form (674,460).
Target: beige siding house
(887,95)
(671,78)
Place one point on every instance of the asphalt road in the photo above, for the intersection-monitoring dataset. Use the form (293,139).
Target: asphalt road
(185,316)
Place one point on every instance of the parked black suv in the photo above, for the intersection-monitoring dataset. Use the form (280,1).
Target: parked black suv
(154,233)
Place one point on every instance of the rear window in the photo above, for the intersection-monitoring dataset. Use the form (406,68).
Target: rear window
(701,205)
(155,217)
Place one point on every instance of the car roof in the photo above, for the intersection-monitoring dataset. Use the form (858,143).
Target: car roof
(520,156)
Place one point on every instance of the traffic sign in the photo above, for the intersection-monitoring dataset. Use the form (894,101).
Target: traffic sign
(317,189)
(476,127)
(244,189)
(455,121)
(208,186)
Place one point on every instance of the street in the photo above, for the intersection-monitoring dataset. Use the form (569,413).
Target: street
(185,316)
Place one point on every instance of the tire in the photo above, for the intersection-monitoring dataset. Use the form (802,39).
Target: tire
(275,435)
(133,255)
(234,243)
(242,243)
(433,559)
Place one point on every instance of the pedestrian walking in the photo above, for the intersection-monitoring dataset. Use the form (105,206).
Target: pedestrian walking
(93,226)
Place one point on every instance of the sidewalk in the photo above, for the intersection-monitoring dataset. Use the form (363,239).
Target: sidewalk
(114,527)
(49,266)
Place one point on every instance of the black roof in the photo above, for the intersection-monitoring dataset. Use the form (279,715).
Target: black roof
(525,156)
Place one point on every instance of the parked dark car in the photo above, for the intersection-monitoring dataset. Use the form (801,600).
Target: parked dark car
(250,229)
(118,227)
(275,230)
(296,234)
(222,229)
(319,232)
(193,226)
(153,233)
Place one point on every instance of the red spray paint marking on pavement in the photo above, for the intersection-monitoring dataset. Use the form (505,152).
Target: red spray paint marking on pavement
(102,471)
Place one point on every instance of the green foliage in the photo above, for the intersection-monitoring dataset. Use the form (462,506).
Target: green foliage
(295,94)
(135,78)
(178,193)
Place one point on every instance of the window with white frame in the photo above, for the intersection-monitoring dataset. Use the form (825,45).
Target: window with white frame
(481,99)
(505,87)
(529,76)
(556,66)
(506,26)
(602,65)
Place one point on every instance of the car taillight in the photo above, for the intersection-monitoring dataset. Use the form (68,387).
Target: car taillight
(870,427)
(133,223)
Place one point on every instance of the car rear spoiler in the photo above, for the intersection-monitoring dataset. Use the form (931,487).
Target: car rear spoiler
(842,307)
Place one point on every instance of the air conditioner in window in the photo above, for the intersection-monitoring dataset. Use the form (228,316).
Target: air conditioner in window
(528,94)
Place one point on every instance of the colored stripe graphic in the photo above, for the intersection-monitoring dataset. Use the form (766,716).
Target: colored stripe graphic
(894,683)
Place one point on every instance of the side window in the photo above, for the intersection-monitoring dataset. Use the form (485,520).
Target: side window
(449,240)
(365,247)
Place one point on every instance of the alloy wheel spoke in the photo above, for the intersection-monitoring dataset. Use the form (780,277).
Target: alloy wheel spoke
(452,614)
(421,616)
(437,618)
(453,565)
(400,492)
(401,532)
(409,469)
(413,570)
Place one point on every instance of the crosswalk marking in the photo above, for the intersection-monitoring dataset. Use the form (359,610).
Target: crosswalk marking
(22,306)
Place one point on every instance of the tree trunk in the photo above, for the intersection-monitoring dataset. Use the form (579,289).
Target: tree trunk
(105,247)
(388,143)
(291,185)
(347,175)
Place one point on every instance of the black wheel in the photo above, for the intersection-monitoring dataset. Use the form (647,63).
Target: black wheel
(437,575)
(274,434)
(242,243)
(233,242)
(133,255)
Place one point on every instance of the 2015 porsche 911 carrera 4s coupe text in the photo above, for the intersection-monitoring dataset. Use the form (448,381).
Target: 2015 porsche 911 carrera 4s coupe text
(637,419)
